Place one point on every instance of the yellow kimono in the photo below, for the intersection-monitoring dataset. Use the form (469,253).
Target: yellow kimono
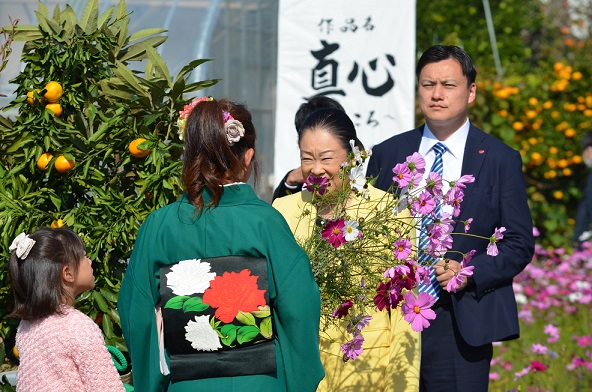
(390,360)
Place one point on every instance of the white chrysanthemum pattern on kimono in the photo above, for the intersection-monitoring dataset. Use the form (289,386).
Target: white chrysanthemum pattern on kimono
(201,335)
(190,277)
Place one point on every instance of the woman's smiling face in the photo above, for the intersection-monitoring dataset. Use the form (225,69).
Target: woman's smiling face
(321,155)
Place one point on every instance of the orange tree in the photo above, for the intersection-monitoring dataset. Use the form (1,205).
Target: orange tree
(65,158)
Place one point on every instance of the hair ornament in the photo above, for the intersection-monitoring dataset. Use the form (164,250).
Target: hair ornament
(234,128)
(22,244)
(182,121)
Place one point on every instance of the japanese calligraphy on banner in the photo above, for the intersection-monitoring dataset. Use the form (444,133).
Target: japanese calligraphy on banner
(360,53)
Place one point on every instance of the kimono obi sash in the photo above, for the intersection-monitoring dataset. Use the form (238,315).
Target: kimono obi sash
(217,317)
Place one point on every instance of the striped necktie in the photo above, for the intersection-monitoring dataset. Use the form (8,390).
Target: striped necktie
(425,259)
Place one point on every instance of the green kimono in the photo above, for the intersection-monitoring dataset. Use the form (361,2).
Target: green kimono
(241,225)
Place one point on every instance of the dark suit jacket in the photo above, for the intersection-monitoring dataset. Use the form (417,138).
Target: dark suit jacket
(282,190)
(486,312)
(584,212)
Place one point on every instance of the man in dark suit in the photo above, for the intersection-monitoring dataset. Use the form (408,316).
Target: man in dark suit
(583,226)
(293,181)
(457,347)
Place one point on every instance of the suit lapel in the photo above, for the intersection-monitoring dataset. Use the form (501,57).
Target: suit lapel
(473,158)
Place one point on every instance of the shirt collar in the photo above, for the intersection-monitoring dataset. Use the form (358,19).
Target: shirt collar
(455,143)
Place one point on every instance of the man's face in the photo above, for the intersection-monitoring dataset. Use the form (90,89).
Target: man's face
(444,95)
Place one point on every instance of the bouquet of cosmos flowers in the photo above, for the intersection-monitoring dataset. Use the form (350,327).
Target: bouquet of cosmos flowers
(363,251)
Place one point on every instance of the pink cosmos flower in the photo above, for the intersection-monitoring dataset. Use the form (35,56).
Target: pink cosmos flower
(583,341)
(497,236)
(397,270)
(539,349)
(402,248)
(402,175)
(461,182)
(468,224)
(333,232)
(316,184)
(455,199)
(343,309)
(521,373)
(553,333)
(358,324)
(353,348)
(417,310)
(422,274)
(434,184)
(457,280)
(424,204)
(416,163)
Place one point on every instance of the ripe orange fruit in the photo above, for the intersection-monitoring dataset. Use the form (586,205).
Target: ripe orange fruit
(64,165)
(136,151)
(44,160)
(57,224)
(15,351)
(31,97)
(56,108)
(53,92)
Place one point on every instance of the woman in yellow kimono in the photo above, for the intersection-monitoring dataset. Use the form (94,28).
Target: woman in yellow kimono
(391,349)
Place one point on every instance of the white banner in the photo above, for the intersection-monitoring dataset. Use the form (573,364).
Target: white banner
(360,53)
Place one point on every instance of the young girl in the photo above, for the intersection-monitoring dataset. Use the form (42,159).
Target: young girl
(60,348)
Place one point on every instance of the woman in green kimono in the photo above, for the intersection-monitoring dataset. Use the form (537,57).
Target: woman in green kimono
(217,294)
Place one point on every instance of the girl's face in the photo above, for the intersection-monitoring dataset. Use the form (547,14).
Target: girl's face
(85,279)
(321,155)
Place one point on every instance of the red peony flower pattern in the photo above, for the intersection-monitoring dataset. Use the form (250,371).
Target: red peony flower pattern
(233,292)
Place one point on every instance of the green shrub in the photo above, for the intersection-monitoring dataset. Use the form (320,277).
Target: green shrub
(105,106)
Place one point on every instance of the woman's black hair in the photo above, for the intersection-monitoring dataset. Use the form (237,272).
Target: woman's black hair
(209,161)
(334,121)
(37,278)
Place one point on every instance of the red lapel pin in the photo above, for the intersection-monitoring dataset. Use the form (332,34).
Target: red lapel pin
(481,151)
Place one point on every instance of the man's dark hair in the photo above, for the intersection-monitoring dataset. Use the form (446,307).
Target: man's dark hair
(317,102)
(438,53)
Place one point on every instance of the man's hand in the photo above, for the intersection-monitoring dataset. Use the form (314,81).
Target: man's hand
(295,177)
(445,270)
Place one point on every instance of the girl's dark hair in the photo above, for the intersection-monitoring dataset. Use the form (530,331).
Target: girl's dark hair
(209,161)
(439,53)
(37,279)
(334,121)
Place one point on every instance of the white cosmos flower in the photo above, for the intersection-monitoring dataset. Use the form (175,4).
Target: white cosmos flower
(357,179)
(201,335)
(350,230)
(190,277)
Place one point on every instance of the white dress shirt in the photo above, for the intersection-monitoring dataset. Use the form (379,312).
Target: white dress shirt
(452,158)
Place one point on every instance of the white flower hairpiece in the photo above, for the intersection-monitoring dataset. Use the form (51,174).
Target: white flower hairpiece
(22,244)
(234,128)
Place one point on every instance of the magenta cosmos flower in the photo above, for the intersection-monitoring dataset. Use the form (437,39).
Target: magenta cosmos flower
(417,310)
(316,184)
(343,309)
(333,232)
